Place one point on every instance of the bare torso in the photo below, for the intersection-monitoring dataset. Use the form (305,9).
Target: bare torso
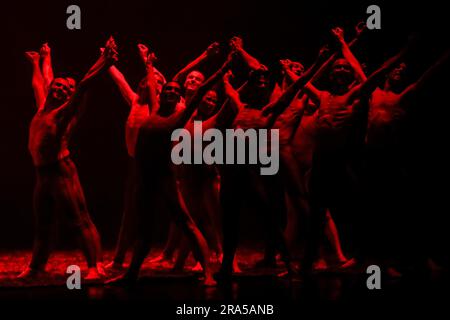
(48,138)
(386,116)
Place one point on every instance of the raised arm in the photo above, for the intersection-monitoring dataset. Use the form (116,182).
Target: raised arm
(37,80)
(286,66)
(360,27)
(209,52)
(348,54)
(109,56)
(426,76)
(153,103)
(377,77)
(229,109)
(202,90)
(277,107)
(47,69)
(309,87)
(237,47)
(231,93)
(143,54)
(119,79)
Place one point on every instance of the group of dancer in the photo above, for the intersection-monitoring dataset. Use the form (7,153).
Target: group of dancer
(341,156)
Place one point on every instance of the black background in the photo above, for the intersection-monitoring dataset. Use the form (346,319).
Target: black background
(178,32)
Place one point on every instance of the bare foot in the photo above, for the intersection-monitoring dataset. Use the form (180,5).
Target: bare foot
(209,281)
(93,275)
(216,258)
(101,269)
(164,264)
(114,266)
(320,265)
(289,273)
(160,259)
(265,263)
(31,274)
(236,268)
(393,273)
(197,268)
(347,264)
(122,280)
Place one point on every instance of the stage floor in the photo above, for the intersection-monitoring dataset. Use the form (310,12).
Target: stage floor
(164,289)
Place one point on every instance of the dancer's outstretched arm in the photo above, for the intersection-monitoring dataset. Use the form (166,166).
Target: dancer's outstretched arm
(348,54)
(360,27)
(426,76)
(366,88)
(71,108)
(202,90)
(119,79)
(209,52)
(47,68)
(277,107)
(229,109)
(143,53)
(37,80)
(153,104)
(237,46)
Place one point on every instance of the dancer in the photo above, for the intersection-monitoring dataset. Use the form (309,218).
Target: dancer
(137,116)
(239,182)
(333,184)
(389,182)
(198,184)
(58,184)
(190,77)
(237,46)
(157,184)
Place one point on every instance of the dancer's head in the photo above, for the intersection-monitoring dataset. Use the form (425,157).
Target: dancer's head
(209,104)
(193,81)
(297,68)
(259,88)
(342,74)
(396,77)
(61,89)
(142,90)
(170,94)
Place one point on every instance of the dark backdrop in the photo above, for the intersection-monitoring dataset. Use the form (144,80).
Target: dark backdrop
(178,32)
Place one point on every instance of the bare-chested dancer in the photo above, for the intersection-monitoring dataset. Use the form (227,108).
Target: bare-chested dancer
(390,184)
(332,184)
(190,77)
(137,116)
(239,182)
(193,80)
(58,185)
(157,184)
(289,123)
(297,136)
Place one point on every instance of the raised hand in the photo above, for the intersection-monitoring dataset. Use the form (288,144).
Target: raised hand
(45,50)
(213,49)
(338,33)
(285,64)
(236,43)
(228,76)
(360,27)
(143,51)
(32,56)
(151,59)
(263,68)
(110,51)
(324,51)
